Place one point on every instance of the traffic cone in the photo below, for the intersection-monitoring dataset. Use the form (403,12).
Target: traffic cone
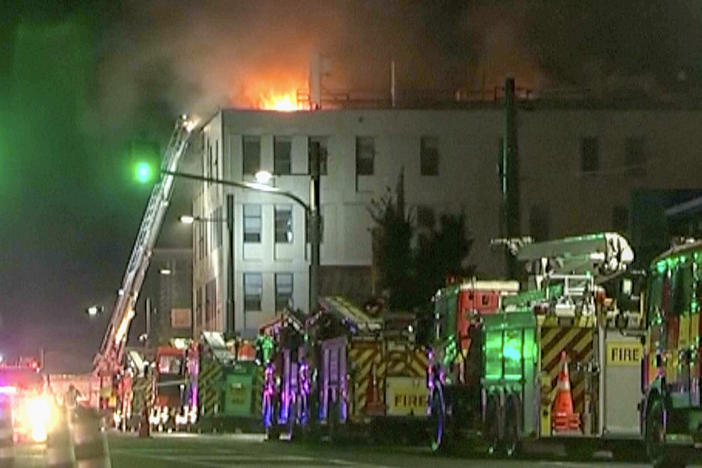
(59,445)
(7,444)
(89,441)
(563,417)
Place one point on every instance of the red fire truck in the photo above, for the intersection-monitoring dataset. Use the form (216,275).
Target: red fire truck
(169,386)
(24,387)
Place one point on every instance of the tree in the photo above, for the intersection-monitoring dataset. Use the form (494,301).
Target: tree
(392,253)
(408,275)
(443,253)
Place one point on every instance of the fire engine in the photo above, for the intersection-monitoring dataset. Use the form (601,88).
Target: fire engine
(559,360)
(223,384)
(24,387)
(108,364)
(672,408)
(169,382)
(342,370)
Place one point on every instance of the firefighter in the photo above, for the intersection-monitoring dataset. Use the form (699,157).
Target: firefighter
(70,398)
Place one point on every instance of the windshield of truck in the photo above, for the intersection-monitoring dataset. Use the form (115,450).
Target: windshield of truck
(170,365)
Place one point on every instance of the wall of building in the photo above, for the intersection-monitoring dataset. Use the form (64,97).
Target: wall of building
(557,196)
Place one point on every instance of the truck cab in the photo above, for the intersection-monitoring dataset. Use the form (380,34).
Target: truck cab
(672,408)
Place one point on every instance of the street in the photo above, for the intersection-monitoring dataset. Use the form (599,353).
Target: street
(183,450)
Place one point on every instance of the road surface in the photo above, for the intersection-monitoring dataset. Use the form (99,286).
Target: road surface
(218,451)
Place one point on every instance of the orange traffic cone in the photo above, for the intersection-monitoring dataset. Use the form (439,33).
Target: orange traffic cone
(563,417)
(373,403)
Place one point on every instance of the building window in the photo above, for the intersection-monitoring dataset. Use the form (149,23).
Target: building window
(253,290)
(425,217)
(589,155)
(210,304)
(620,219)
(283,290)
(429,156)
(252,154)
(282,147)
(217,225)
(365,155)
(283,224)
(323,154)
(634,155)
(198,307)
(209,158)
(200,241)
(539,223)
(215,161)
(252,223)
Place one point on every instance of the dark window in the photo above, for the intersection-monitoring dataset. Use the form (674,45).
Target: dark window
(253,289)
(654,302)
(283,290)
(365,155)
(589,154)
(209,159)
(282,147)
(323,153)
(210,304)
(429,156)
(283,224)
(539,222)
(252,154)
(198,306)
(620,219)
(634,155)
(215,161)
(425,217)
(200,241)
(217,226)
(252,223)
(682,289)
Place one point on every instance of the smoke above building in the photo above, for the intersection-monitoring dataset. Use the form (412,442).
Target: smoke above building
(209,54)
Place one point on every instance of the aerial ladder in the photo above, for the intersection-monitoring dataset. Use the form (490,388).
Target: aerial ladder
(108,361)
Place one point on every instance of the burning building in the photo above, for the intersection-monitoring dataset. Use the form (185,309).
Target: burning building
(579,160)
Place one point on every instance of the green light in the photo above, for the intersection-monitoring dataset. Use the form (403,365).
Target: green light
(143,172)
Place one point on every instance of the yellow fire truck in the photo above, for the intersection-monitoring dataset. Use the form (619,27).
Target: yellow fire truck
(342,370)
(504,367)
(672,408)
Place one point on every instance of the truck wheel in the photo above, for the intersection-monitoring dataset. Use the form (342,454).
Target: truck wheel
(512,418)
(656,449)
(491,425)
(437,419)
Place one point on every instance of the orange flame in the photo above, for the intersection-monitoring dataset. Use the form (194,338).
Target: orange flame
(283,102)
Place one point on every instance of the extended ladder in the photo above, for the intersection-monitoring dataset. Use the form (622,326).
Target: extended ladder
(109,358)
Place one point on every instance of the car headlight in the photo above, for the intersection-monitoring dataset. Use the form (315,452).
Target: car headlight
(39,417)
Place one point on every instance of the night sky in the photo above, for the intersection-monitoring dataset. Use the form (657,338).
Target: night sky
(83,83)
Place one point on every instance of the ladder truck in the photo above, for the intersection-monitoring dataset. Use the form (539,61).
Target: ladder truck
(502,380)
(107,364)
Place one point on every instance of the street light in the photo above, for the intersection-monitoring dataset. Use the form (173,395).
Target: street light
(94,310)
(263,177)
(187,219)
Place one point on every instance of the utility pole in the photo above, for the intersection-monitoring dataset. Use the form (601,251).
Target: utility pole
(230,321)
(314,224)
(509,177)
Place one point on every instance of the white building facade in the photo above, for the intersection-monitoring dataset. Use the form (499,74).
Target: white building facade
(577,170)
